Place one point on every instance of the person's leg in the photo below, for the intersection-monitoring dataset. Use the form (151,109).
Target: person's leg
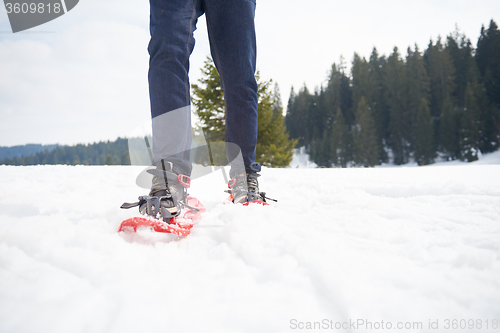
(233,46)
(172,23)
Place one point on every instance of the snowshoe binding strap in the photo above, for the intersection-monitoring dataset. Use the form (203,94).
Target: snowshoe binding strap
(153,206)
(127,205)
(172,177)
(265,198)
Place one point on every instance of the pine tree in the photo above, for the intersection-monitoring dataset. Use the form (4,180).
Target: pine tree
(417,95)
(332,91)
(326,103)
(443,106)
(321,152)
(377,68)
(318,119)
(291,115)
(487,57)
(469,129)
(442,76)
(459,47)
(338,93)
(274,148)
(277,104)
(362,86)
(469,96)
(208,99)
(365,136)
(395,95)
(330,102)
(489,115)
(424,135)
(367,82)
(297,116)
(340,141)
(273,145)
(346,103)
(449,131)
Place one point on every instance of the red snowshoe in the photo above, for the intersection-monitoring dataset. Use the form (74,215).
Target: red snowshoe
(179,225)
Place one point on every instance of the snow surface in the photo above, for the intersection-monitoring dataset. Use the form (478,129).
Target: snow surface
(399,245)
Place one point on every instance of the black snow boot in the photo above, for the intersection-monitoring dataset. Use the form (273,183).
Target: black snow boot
(169,186)
(244,187)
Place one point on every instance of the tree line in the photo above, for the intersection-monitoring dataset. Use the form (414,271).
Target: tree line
(444,101)
(24,150)
(101,153)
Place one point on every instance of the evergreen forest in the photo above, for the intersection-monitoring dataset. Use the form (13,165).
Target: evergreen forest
(443,102)
(101,153)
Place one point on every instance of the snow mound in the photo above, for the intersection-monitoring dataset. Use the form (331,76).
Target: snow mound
(301,159)
(399,245)
(492,158)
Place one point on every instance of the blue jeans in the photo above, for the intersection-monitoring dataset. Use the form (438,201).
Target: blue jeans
(233,47)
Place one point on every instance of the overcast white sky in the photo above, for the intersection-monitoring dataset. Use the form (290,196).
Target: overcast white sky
(83,77)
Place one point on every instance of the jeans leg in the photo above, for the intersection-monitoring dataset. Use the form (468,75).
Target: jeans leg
(172,23)
(233,46)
